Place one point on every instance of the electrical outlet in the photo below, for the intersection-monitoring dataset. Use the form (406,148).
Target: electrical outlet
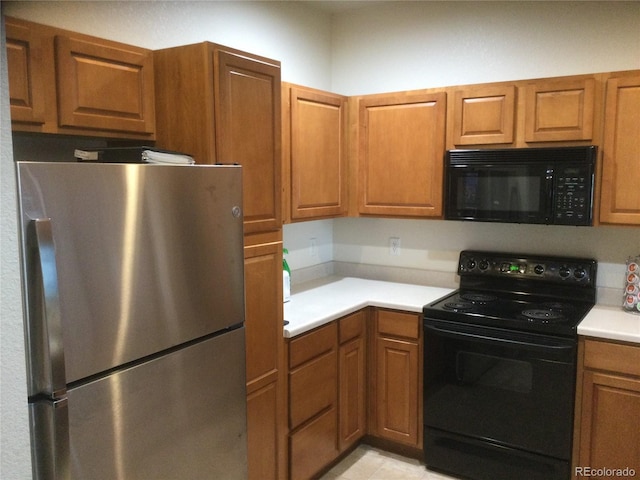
(394,246)
(313,247)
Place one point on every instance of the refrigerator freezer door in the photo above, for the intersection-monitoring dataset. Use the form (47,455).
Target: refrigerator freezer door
(148,256)
(179,416)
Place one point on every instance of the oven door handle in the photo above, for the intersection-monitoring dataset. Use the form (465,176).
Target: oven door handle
(549,345)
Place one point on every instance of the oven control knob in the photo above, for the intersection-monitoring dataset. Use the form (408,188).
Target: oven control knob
(484,264)
(565,271)
(471,264)
(580,273)
(539,269)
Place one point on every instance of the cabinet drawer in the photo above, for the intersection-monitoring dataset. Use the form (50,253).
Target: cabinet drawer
(352,326)
(398,324)
(314,446)
(304,348)
(312,388)
(612,356)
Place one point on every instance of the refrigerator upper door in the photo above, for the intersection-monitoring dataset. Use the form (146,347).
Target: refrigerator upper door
(148,256)
(177,416)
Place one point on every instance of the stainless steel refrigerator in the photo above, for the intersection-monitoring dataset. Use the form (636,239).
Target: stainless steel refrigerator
(134,299)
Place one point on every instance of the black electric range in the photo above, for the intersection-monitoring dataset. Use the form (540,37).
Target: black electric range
(500,364)
(527,293)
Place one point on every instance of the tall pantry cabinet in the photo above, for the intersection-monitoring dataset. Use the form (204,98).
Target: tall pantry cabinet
(222,105)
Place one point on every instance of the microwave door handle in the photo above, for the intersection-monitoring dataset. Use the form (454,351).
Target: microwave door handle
(548,185)
(45,319)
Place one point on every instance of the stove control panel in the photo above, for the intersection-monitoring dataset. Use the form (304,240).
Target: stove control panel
(550,269)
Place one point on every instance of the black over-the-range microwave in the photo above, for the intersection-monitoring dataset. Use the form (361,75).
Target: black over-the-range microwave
(552,186)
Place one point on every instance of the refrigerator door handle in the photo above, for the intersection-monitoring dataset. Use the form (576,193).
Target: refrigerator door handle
(50,439)
(48,319)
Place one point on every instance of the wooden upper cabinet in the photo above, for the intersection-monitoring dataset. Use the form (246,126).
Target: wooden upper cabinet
(559,110)
(223,106)
(68,83)
(26,72)
(483,115)
(314,153)
(400,158)
(104,85)
(620,193)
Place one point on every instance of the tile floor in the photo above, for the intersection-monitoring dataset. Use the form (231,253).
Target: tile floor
(368,463)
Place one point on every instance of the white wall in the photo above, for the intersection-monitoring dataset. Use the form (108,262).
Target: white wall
(409,45)
(15,461)
(287,31)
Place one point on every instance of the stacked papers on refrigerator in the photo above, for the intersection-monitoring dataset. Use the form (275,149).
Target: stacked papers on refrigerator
(134,155)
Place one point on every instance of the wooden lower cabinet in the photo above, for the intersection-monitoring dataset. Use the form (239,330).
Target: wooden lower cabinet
(608,409)
(352,408)
(265,396)
(313,413)
(396,384)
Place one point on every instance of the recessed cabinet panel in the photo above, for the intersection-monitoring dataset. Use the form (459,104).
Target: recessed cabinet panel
(248,119)
(620,197)
(560,110)
(401,152)
(26,73)
(484,115)
(104,86)
(318,163)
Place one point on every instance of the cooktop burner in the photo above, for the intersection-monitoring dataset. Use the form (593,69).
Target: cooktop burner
(543,315)
(549,295)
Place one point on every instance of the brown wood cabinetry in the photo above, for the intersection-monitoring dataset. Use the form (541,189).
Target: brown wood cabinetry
(559,109)
(223,106)
(525,112)
(608,406)
(313,398)
(352,379)
(483,114)
(314,153)
(395,405)
(400,151)
(68,83)
(620,193)
(264,343)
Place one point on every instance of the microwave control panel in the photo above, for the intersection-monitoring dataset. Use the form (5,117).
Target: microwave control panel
(572,195)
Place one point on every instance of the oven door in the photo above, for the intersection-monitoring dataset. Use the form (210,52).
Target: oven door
(510,192)
(499,402)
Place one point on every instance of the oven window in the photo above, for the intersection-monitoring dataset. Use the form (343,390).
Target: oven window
(494,372)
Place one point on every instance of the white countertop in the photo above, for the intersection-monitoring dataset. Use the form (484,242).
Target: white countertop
(611,323)
(334,297)
(330,298)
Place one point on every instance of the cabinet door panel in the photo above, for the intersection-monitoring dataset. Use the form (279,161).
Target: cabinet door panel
(484,115)
(104,86)
(263,318)
(620,194)
(352,413)
(314,446)
(397,390)
(318,167)
(312,388)
(559,110)
(262,433)
(247,99)
(610,436)
(26,73)
(401,155)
